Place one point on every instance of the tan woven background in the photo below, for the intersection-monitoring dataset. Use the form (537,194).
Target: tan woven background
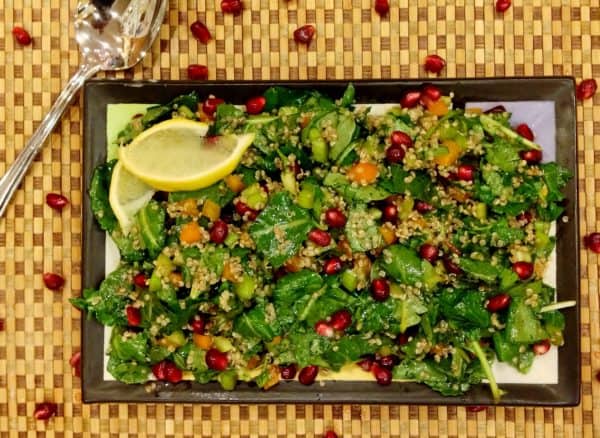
(535,37)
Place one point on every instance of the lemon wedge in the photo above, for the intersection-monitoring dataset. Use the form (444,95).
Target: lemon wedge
(127,195)
(177,155)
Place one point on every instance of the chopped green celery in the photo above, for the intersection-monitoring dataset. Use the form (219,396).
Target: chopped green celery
(306,197)
(254,196)
(319,150)
(245,288)
(228,379)
(222,344)
(176,339)
(349,280)
(155,283)
(231,239)
(480,211)
(288,179)
(184,111)
(406,207)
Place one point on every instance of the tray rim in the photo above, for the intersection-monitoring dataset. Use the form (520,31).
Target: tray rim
(98,93)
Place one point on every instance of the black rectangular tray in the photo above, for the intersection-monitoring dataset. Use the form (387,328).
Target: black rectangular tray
(561,90)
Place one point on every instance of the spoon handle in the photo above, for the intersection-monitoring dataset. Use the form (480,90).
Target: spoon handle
(11,180)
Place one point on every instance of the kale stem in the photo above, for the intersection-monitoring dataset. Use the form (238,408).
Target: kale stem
(476,348)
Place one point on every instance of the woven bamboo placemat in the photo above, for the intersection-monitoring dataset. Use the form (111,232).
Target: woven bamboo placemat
(41,330)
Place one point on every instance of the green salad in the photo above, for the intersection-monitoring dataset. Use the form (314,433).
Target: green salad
(409,245)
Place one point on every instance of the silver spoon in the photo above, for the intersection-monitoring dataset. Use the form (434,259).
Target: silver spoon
(112,35)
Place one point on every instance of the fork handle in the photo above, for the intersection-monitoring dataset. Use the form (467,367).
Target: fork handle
(11,180)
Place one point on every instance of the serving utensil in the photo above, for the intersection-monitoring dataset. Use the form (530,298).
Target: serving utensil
(112,35)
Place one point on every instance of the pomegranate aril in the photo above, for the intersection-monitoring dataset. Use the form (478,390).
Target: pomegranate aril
(245,211)
(390,213)
(498,302)
(209,106)
(465,172)
(429,252)
(382,7)
(402,339)
(592,242)
(304,34)
(451,267)
(219,231)
(532,156)
(330,434)
(410,99)
(432,92)
(197,72)
(423,207)
(476,408)
(45,410)
(308,374)
(525,217)
(541,347)
(523,269)
(200,31)
(525,131)
(319,237)
(160,370)
(380,289)
(366,363)
(140,280)
(394,154)
(332,266)
(324,329)
(502,5)
(134,316)
(53,281)
(389,361)
(172,373)
(382,374)
(256,105)
(216,360)
(231,6)
(21,36)
(287,372)
(75,363)
(56,201)
(434,63)
(586,89)
(399,138)
(341,320)
(198,325)
(335,218)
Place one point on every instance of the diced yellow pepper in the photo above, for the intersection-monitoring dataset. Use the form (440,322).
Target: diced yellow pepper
(451,156)
(235,183)
(211,210)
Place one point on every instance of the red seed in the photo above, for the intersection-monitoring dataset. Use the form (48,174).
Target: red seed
(586,89)
(532,156)
(451,267)
(410,99)
(465,172)
(56,201)
(75,363)
(172,373)
(198,325)
(390,213)
(399,138)
(245,211)
(498,302)
(53,281)
(476,408)
(434,63)
(287,372)
(382,374)
(402,339)
(525,131)
(21,36)
(255,105)
(502,5)
(341,320)
(523,269)
(382,7)
(592,242)
(389,361)
(335,218)
(324,329)
(431,92)
(209,106)
(231,7)
(423,207)
(160,370)
(541,347)
(394,154)
(197,72)
(429,252)
(308,374)
(332,266)
(496,110)
(216,360)
(304,34)
(366,363)
(219,231)
(140,280)
(45,410)
(525,217)
(200,31)
(319,237)
(134,316)
(380,289)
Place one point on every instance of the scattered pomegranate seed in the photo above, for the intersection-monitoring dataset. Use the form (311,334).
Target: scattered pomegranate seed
(209,106)
(432,92)
(75,363)
(140,280)
(173,374)
(198,325)
(324,329)
(465,172)
(394,154)
(525,131)
(53,281)
(330,434)
(476,408)
(216,360)
(423,207)
(532,156)
(245,211)
(523,269)
(451,267)
(160,370)
(390,213)
(21,36)
(197,72)
(319,237)
(304,34)
(366,363)
(410,99)
(45,410)
(586,89)
(429,252)
(525,217)
(541,347)
(56,201)
(341,320)
(382,7)
(335,218)
(389,361)
(498,302)
(231,7)
(287,372)
(592,242)
(200,32)
(134,316)
(434,63)
(502,5)
(380,289)
(255,105)
(399,138)
(308,374)
(382,374)
(496,109)
(219,231)
(402,339)
(332,266)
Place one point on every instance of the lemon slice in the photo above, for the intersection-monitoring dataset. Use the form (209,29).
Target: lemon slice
(127,195)
(176,155)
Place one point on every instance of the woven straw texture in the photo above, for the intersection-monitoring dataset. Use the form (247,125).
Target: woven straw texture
(41,329)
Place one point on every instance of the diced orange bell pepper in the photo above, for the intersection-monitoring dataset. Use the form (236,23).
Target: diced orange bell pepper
(388,234)
(235,183)
(435,107)
(203,341)
(190,233)
(211,210)
(449,157)
(363,173)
